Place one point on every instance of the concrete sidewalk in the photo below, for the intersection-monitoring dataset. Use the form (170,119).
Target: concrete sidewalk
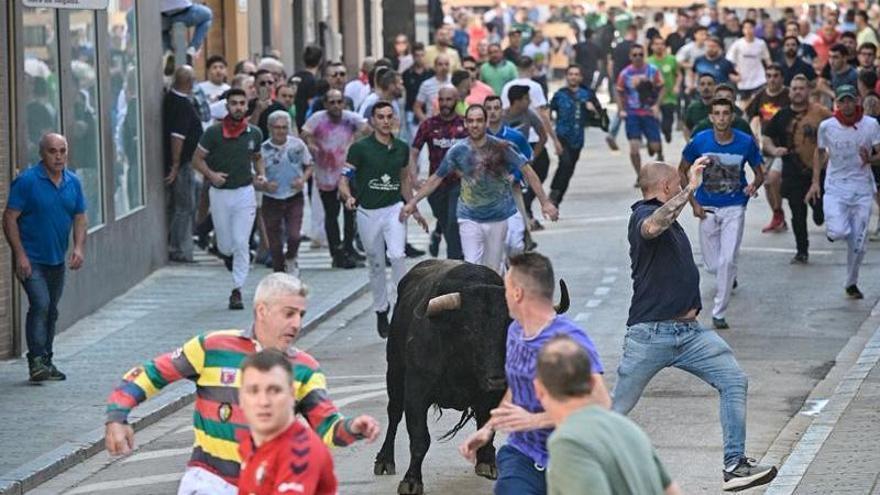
(48,427)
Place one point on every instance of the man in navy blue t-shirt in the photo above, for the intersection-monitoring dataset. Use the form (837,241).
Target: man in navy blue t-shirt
(662,329)
(45,201)
(720,202)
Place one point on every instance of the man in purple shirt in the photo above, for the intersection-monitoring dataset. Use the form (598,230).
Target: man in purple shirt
(639,93)
(440,132)
(528,289)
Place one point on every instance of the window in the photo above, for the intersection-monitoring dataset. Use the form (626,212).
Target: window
(84,134)
(42,113)
(126,113)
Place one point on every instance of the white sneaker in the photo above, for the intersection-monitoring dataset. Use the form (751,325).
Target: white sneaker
(292,268)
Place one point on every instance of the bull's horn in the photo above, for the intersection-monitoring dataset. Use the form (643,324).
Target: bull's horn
(564,301)
(442,303)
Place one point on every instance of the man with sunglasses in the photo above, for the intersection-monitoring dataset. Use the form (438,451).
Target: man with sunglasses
(479,89)
(639,93)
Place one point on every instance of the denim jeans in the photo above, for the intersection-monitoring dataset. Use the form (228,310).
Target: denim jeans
(650,347)
(196,15)
(43,290)
(518,474)
(183,207)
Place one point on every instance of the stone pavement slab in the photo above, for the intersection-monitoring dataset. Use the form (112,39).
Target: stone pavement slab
(49,426)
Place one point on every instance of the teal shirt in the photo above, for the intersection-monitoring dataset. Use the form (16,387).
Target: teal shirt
(497,76)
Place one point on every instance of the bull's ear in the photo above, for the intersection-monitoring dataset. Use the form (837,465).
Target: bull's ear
(564,300)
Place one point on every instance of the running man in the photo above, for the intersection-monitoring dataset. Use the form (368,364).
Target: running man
(378,166)
(849,143)
(639,92)
(212,362)
(720,202)
(226,155)
(486,202)
(662,329)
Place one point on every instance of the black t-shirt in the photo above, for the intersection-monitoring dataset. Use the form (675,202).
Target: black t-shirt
(263,121)
(675,41)
(666,281)
(180,117)
(587,55)
(620,56)
(798,67)
(512,54)
(305,91)
(412,80)
(797,131)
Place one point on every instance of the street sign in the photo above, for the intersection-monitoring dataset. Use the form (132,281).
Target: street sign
(68,4)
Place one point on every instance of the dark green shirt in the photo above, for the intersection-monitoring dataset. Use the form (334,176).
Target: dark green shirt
(739,124)
(233,157)
(695,113)
(377,171)
(600,452)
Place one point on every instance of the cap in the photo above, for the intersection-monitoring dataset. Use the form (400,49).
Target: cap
(845,90)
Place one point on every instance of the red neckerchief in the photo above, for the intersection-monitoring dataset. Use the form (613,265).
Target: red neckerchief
(364,77)
(849,121)
(233,128)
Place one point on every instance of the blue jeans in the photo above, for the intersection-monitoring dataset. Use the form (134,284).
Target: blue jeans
(650,347)
(197,15)
(518,474)
(43,289)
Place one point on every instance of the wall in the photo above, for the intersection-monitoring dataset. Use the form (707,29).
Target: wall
(7,278)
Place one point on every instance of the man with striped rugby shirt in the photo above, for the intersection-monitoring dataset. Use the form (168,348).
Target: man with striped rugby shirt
(212,362)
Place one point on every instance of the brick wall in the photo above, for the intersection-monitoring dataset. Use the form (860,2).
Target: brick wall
(6,275)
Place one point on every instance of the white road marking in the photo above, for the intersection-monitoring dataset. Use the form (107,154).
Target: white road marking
(158,454)
(355,398)
(126,483)
(611,269)
(336,391)
(609,279)
(592,303)
(601,291)
(782,250)
(813,407)
(582,317)
(352,377)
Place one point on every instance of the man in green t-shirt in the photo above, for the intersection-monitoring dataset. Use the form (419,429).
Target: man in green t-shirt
(725,91)
(593,450)
(498,71)
(225,155)
(665,62)
(698,110)
(377,164)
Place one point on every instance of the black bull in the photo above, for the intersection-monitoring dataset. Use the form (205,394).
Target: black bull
(446,348)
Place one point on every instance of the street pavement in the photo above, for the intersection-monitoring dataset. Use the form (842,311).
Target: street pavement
(789,324)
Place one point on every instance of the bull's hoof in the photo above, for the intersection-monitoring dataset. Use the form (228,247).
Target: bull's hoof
(383,467)
(486,470)
(410,488)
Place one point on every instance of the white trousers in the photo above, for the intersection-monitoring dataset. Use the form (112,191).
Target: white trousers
(847,215)
(197,481)
(316,217)
(233,212)
(383,233)
(483,243)
(516,231)
(720,236)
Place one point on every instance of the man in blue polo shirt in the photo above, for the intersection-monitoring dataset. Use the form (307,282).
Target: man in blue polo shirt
(44,202)
(720,203)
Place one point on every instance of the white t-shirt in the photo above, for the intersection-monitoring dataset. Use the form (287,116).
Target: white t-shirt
(749,58)
(540,54)
(428,92)
(690,52)
(845,172)
(356,91)
(536,94)
(213,91)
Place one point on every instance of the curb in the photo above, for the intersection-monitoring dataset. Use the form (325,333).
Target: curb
(176,397)
(805,436)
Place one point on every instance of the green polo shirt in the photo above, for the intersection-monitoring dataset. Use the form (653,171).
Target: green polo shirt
(377,174)
(498,75)
(233,157)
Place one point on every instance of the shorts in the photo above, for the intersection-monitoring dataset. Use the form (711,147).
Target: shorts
(773,165)
(518,474)
(642,125)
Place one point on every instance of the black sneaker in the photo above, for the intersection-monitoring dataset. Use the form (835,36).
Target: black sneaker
(38,370)
(434,246)
(853,292)
(235,300)
(55,374)
(382,325)
(720,323)
(412,252)
(342,261)
(535,225)
(746,474)
(800,259)
(353,254)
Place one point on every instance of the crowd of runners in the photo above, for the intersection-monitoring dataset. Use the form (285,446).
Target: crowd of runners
(785,102)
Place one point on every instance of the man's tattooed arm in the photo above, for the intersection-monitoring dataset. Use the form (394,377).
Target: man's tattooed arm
(665,216)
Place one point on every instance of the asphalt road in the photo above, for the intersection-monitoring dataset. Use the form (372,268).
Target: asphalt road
(788,324)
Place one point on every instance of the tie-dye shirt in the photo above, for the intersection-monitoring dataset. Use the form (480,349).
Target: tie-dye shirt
(332,140)
(521,368)
(486,194)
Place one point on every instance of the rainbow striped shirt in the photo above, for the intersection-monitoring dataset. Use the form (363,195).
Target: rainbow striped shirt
(212,361)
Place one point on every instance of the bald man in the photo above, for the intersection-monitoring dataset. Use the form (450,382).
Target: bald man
(45,201)
(662,330)
(424,104)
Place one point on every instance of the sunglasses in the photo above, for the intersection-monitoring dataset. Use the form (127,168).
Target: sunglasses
(264,83)
(334,102)
(471,69)
(637,55)
(338,74)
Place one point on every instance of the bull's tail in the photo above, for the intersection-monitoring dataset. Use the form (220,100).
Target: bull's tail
(466,416)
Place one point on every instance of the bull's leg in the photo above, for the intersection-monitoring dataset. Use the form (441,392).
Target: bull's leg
(486,454)
(394,380)
(419,441)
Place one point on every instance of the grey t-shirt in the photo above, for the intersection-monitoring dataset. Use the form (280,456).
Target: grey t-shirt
(527,123)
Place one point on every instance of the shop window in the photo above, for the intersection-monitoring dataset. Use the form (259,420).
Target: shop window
(84,136)
(42,113)
(126,112)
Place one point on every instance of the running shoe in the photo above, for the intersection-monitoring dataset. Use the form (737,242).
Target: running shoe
(800,259)
(235,301)
(612,143)
(746,474)
(853,292)
(777,223)
(382,325)
(720,323)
